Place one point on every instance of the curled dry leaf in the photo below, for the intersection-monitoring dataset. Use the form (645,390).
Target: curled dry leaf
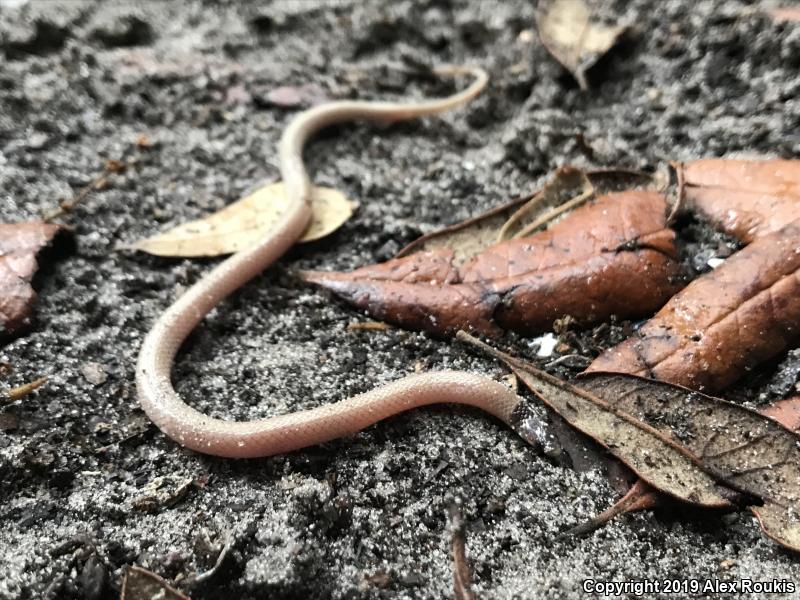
(741,448)
(141,584)
(613,255)
(568,32)
(694,447)
(246,221)
(658,461)
(746,198)
(723,323)
(19,244)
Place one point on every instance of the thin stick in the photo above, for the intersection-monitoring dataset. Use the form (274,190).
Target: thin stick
(17,393)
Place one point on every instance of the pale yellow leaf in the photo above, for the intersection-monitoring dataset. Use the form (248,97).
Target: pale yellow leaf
(246,221)
(568,32)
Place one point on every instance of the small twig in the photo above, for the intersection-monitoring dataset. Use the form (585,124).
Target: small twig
(21,391)
(205,575)
(462,580)
(369,326)
(640,497)
(101,181)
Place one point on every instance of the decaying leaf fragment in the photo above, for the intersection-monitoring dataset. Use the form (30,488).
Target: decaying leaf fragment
(141,584)
(657,460)
(691,446)
(246,221)
(19,244)
(612,255)
(741,448)
(786,412)
(723,323)
(746,198)
(568,32)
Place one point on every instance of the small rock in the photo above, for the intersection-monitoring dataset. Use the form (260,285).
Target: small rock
(94,373)
(290,96)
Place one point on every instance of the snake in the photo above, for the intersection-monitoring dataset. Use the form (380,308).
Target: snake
(285,433)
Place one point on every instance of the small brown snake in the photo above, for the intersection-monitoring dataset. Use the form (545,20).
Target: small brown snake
(276,435)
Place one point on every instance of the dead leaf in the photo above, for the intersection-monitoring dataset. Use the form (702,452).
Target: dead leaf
(723,323)
(163,492)
(680,442)
(568,32)
(742,449)
(657,460)
(141,584)
(246,221)
(786,412)
(19,244)
(614,255)
(569,189)
(745,198)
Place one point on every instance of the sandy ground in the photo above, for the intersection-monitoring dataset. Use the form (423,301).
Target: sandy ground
(366,516)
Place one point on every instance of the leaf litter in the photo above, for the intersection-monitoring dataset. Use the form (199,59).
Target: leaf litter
(246,221)
(19,244)
(686,444)
(605,253)
(570,33)
(723,323)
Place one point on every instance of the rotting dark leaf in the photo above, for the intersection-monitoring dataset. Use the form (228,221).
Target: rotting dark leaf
(745,198)
(568,32)
(723,323)
(659,461)
(614,255)
(19,244)
(141,584)
(741,448)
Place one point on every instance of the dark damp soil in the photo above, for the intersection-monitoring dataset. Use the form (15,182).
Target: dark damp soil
(88,486)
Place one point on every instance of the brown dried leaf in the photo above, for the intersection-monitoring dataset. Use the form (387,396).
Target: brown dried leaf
(569,189)
(786,412)
(746,198)
(742,449)
(19,244)
(141,584)
(611,256)
(246,221)
(723,323)
(163,492)
(569,34)
(474,235)
(659,461)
